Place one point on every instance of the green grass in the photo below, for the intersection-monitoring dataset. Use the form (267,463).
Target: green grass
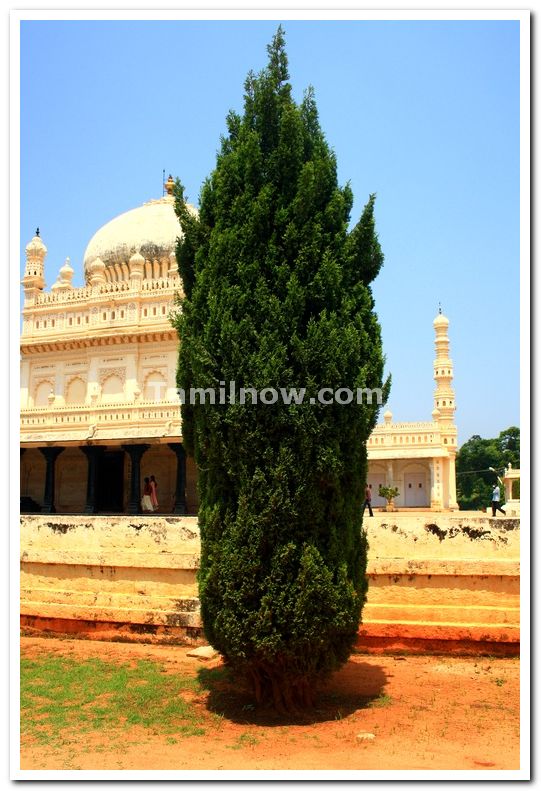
(244,740)
(381,700)
(61,698)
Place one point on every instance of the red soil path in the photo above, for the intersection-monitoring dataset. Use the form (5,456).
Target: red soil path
(425,712)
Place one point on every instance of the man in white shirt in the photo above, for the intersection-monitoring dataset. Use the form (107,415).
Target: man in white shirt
(496,501)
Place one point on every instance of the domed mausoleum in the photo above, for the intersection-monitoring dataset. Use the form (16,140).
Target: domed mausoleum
(99,406)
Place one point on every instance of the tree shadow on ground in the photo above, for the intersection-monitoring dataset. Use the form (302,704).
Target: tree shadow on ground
(358,685)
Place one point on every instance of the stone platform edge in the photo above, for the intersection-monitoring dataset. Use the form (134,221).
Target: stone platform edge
(444,583)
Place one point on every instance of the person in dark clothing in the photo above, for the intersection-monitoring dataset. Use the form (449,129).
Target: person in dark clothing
(368,500)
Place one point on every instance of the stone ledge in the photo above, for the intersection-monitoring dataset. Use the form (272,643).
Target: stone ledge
(110,630)
(440,632)
(435,566)
(125,615)
(112,559)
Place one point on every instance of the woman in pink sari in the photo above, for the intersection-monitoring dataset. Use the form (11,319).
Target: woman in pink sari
(154,492)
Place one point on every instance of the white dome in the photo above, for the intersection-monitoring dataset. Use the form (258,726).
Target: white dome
(150,230)
(441,321)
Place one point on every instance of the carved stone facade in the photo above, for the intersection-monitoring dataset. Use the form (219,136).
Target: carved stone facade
(98,371)
(98,384)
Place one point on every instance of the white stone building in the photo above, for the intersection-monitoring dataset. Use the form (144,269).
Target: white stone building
(99,407)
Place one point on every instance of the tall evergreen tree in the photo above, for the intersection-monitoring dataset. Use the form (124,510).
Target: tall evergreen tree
(277,295)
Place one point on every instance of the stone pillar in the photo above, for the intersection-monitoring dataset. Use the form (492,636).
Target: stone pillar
(432,482)
(390,474)
(25,383)
(180,490)
(135,452)
(436,502)
(508,484)
(22,451)
(453,505)
(93,454)
(50,455)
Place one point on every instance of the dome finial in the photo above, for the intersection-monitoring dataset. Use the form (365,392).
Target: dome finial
(439,309)
(37,231)
(169,185)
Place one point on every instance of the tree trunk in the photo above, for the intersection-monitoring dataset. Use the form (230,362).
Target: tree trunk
(288,695)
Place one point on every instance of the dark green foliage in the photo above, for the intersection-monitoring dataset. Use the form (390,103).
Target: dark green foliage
(475,481)
(277,295)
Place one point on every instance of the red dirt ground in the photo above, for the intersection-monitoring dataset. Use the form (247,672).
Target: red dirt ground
(425,712)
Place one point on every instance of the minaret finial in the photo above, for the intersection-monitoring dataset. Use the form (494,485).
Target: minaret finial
(439,310)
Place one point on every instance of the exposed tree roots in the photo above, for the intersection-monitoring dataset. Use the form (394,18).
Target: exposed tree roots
(288,694)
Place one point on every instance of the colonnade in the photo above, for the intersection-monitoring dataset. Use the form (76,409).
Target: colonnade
(94,453)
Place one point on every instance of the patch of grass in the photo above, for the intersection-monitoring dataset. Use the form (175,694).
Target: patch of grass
(244,740)
(62,698)
(207,677)
(499,681)
(381,701)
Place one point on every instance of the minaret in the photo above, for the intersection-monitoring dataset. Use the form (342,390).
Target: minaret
(443,466)
(33,272)
(444,395)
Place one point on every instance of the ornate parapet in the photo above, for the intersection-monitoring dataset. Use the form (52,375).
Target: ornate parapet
(100,421)
(92,310)
(422,439)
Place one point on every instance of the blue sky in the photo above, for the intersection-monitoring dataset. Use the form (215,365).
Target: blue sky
(423,113)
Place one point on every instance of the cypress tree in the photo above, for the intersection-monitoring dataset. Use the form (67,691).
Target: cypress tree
(277,294)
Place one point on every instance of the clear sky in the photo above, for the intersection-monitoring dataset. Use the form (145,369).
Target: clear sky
(425,114)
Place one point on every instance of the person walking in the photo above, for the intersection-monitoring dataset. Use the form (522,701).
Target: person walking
(154,493)
(368,500)
(496,500)
(146,502)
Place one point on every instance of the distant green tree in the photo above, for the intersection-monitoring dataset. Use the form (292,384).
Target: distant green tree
(475,480)
(277,295)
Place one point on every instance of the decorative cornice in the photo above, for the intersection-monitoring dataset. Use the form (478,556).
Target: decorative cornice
(67,344)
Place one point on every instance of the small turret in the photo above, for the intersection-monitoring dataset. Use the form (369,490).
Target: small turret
(33,279)
(137,266)
(65,275)
(97,272)
(173,265)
